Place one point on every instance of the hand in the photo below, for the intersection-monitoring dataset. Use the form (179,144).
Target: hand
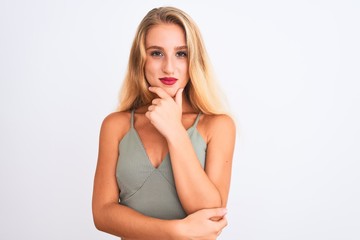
(165,112)
(199,226)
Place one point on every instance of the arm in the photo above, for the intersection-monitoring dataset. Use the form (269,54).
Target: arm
(113,218)
(197,189)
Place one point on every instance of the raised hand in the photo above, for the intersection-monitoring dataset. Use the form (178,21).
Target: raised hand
(165,112)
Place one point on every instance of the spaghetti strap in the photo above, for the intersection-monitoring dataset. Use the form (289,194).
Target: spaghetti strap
(139,180)
(197,119)
(132,118)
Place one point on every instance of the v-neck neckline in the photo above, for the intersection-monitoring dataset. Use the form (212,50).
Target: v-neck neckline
(167,155)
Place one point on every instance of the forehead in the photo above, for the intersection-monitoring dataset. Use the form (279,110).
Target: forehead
(165,35)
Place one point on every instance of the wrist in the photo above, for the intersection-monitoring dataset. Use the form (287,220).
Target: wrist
(176,134)
(177,230)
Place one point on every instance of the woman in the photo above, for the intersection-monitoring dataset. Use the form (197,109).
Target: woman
(165,157)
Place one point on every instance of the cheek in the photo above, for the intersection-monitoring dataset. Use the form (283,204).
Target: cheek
(147,70)
(185,68)
(150,68)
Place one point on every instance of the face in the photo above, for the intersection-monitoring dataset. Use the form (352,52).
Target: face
(166,63)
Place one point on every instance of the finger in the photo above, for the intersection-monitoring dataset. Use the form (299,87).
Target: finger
(156,101)
(159,91)
(215,219)
(149,115)
(178,96)
(222,223)
(215,212)
(151,108)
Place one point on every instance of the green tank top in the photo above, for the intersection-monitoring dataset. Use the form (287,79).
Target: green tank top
(144,188)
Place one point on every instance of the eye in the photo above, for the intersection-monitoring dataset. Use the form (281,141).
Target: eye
(182,54)
(156,54)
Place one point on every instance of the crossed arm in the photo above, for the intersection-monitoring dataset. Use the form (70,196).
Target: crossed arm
(201,192)
(197,189)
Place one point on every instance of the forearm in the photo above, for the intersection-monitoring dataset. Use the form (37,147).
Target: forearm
(195,189)
(124,222)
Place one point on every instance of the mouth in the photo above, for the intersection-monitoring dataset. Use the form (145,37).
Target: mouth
(168,80)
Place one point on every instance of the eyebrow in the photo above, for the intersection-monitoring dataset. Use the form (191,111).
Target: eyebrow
(161,48)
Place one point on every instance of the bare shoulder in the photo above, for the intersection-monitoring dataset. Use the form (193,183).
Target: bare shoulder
(116,124)
(217,125)
(218,122)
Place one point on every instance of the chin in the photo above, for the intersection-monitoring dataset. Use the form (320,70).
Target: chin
(171,92)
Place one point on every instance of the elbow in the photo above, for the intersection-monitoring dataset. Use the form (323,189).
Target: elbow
(218,203)
(205,204)
(214,203)
(98,219)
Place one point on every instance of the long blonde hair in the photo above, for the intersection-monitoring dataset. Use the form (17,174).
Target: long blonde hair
(201,91)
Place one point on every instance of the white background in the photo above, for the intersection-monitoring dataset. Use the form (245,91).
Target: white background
(290,70)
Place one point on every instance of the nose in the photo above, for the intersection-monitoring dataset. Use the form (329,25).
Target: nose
(168,65)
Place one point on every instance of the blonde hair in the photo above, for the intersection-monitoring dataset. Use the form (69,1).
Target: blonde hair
(201,91)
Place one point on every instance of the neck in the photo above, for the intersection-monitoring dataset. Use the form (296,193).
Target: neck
(186,106)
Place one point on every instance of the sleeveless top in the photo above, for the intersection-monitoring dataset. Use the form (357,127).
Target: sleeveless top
(144,188)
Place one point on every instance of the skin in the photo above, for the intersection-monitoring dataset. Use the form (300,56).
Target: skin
(162,128)
(166,56)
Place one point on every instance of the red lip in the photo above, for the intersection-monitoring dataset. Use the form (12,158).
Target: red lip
(168,80)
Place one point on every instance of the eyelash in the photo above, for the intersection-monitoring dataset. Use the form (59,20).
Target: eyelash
(181,54)
(156,54)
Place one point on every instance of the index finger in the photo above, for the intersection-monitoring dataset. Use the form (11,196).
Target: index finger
(160,92)
(221,224)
